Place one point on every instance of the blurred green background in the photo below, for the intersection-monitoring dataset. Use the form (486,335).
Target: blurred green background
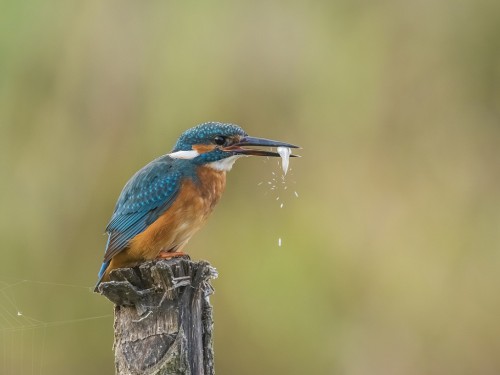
(390,257)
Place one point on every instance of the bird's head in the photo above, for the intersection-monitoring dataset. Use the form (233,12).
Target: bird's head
(219,145)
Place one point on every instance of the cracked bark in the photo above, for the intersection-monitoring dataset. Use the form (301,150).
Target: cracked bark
(163,318)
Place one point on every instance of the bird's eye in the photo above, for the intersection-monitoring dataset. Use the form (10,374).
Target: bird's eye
(219,140)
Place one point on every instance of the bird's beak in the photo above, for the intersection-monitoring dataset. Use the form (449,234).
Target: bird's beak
(258,142)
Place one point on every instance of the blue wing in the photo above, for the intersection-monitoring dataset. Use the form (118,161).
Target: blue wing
(145,197)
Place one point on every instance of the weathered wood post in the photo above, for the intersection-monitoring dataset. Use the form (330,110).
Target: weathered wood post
(163,318)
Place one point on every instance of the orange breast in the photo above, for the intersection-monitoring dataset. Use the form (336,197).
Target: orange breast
(172,230)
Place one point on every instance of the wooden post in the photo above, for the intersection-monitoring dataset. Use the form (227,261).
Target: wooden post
(163,318)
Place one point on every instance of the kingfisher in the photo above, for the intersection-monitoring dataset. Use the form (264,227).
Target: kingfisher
(167,201)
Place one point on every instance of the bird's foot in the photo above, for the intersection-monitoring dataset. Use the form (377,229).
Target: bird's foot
(170,254)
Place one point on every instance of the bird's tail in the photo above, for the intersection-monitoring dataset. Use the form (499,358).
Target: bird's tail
(102,271)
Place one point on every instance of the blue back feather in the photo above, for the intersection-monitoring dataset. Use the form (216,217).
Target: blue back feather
(145,197)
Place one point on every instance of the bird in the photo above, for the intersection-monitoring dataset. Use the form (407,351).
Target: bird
(168,200)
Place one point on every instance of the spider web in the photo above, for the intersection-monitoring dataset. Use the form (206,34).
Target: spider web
(24,337)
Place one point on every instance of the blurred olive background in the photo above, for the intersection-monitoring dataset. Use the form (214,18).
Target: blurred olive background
(390,257)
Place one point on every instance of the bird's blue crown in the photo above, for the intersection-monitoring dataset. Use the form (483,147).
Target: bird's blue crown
(206,134)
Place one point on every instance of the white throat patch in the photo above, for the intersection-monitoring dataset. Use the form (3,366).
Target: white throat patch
(191,154)
(224,164)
